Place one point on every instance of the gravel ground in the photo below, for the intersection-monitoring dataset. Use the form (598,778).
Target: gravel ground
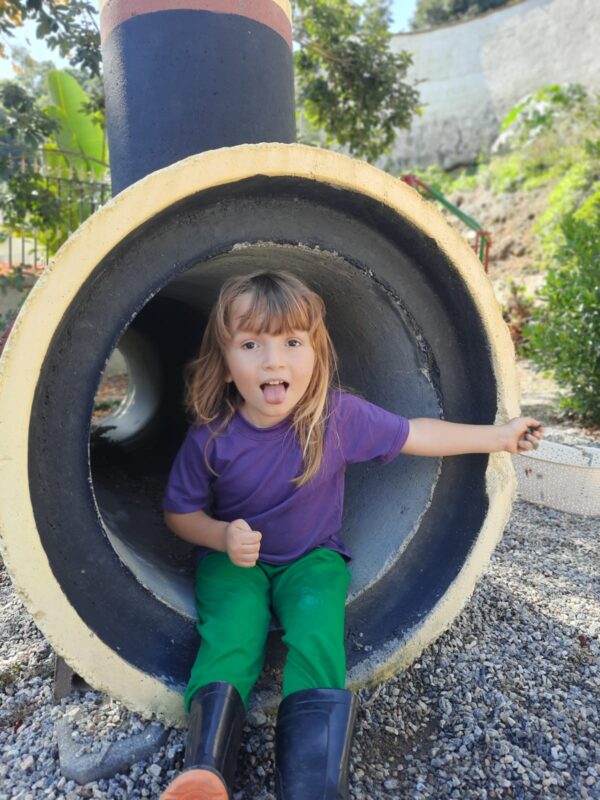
(504,705)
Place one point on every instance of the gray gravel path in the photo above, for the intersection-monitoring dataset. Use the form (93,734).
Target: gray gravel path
(504,705)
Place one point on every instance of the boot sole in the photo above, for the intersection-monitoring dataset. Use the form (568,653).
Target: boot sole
(196,784)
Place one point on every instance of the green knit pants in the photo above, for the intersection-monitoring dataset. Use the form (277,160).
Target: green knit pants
(235,604)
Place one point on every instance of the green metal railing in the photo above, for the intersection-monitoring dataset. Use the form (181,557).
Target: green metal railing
(70,195)
(483,238)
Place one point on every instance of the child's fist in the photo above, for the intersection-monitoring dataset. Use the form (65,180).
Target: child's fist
(522,434)
(242,543)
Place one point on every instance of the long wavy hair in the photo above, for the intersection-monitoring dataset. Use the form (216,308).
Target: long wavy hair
(279,303)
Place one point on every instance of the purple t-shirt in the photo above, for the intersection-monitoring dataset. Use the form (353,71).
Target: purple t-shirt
(255,467)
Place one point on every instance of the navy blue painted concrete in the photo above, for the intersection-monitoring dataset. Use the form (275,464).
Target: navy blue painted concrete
(182,82)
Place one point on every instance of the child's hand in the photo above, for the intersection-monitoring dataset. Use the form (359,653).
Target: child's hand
(522,434)
(242,543)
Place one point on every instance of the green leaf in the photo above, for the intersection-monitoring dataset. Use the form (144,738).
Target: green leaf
(79,137)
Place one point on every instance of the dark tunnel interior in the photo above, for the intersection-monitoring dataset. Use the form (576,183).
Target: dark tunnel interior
(132,448)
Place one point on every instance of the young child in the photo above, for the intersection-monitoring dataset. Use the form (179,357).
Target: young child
(258,486)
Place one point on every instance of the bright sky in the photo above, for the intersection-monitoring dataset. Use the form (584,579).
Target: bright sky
(402,11)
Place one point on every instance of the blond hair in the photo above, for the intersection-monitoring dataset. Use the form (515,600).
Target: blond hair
(279,303)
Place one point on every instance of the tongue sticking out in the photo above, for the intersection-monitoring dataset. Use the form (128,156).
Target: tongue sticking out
(274,393)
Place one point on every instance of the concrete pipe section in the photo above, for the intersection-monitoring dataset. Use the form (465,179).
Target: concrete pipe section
(185,76)
(418,331)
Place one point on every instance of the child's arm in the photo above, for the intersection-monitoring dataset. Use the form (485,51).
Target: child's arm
(236,538)
(436,437)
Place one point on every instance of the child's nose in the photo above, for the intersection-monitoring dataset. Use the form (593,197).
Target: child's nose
(274,356)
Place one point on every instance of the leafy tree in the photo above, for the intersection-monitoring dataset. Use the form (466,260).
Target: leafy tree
(430,13)
(31,75)
(23,129)
(350,84)
(47,157)
(70,27)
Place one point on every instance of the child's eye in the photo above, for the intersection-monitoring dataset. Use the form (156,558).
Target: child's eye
(248,345)
(294,343)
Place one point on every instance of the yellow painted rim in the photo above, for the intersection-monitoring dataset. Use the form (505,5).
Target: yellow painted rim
(51,297)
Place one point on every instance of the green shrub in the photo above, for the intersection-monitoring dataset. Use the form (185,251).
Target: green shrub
(564,334)
(433,175)
(543,139)
(538,111)
(464,180)
(537,163)
(567,196)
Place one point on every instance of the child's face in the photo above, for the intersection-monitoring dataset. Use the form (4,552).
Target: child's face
(270,371)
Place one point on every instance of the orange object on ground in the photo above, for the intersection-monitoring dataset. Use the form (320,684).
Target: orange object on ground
(196,784)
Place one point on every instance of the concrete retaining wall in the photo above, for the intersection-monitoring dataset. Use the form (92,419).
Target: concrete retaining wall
(475,72)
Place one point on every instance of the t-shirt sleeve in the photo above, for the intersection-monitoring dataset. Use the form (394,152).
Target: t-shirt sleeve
(189,485)
(369,432)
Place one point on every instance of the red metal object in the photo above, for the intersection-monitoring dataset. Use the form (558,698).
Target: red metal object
(483,239)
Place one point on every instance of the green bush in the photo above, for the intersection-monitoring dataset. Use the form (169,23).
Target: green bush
(541,161)
(547,138)
(463,180)
(524,170)
(567,196)
(539,111)
(564,334)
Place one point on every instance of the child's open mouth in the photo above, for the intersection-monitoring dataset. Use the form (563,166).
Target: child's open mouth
(274,391)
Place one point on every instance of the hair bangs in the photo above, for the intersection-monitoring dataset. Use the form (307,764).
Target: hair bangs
(274,309)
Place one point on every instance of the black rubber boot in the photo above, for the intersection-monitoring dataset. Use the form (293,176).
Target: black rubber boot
(215,728)
(312,744)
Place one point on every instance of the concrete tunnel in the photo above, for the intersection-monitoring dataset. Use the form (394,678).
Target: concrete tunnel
(412,315)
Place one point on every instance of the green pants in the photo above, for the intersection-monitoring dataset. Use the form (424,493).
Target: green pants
(234,607)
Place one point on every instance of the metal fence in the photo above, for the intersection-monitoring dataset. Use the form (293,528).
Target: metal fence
(74,197)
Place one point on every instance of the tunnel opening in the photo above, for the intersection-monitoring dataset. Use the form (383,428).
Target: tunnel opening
(114,390)
(408,336)
(130,474)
